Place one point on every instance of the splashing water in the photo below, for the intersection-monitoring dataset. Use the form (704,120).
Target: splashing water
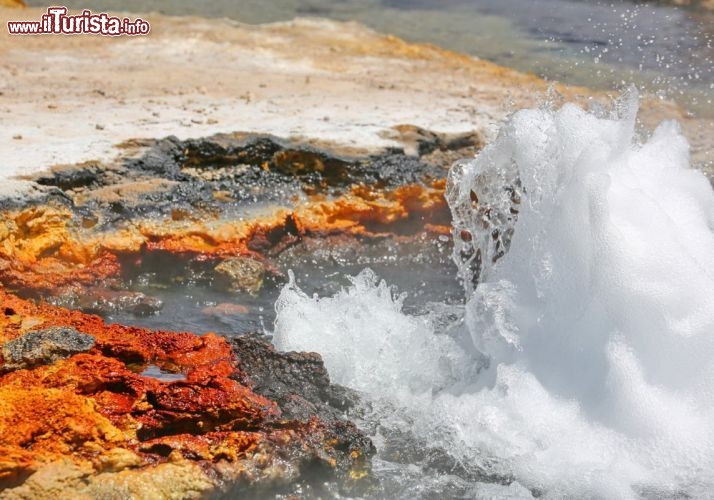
(584,366)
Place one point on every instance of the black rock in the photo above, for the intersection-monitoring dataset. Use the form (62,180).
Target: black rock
(81,176)
(297,381)
(162,160)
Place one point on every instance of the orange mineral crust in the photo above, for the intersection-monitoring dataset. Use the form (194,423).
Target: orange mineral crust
(96,410)
(88,408)
(40,249)
(46,248)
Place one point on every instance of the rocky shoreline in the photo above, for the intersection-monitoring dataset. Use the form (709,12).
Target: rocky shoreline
(210,153)
(83,421)
(83,410)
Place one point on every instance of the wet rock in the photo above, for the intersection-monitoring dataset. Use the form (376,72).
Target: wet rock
(111,429)
(240,274)
(300,384)
(43,347)
(225,309)
(298,381)
(275,239)
(104,302)
(402,445)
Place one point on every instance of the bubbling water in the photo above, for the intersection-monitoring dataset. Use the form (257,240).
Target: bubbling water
(585,362)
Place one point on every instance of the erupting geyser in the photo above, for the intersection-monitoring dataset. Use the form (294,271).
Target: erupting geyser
(585,364)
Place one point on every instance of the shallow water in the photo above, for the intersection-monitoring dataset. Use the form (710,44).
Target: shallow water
(192,303)
(662,49)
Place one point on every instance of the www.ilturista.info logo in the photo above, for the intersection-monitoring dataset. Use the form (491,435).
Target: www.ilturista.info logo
(57,22)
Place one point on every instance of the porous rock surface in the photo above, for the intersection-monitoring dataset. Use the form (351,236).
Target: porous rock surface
(91,424)
(46,346)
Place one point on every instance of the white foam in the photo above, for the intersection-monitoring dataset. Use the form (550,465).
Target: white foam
(598,322)
(386,351)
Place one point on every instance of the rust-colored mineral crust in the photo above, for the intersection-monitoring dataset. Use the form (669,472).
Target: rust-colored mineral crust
(40,250)
(80,412)
(95,412)
(46,249)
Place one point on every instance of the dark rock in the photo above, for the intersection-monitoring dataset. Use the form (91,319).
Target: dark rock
(300,384)
(163,159)
(396,169)
(268,162)
(78,176)
(215,174)
(403,445)
(230,150)
(274,240)
(43,347)
(297,381)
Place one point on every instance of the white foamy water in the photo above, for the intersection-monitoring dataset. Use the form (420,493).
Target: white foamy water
(584,366)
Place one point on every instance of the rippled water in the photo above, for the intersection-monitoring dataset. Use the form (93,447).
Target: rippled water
(662,49)
(422,266)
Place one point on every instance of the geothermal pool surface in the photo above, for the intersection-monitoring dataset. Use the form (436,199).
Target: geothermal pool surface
(423,267)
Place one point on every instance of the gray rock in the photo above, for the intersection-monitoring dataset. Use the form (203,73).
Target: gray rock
(297,381)
(44,347)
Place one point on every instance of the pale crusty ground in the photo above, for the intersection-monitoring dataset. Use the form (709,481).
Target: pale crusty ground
(67,99)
